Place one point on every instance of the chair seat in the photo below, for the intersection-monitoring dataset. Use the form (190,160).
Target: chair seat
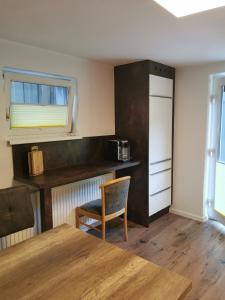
(94,206)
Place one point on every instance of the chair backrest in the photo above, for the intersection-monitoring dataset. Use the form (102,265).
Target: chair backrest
(115,194)
(16,212)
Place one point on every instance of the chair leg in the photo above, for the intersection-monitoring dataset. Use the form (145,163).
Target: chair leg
(103,230)
(125,226)
(77,218)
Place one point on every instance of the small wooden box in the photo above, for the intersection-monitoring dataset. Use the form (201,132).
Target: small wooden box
(35,161)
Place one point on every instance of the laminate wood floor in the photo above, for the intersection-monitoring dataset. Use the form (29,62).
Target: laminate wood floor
(193,249)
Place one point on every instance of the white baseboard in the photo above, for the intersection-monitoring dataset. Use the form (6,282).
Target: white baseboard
(188,215)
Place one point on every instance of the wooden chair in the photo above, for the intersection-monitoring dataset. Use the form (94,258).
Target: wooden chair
(113,203)
(16,211)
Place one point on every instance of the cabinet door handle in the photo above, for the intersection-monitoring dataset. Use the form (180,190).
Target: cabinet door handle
(162,171)
(163,97)
(159,161)
(159,192)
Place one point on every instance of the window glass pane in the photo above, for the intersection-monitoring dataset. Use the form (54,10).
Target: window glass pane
(44,94)
(38,94)
(17,92)
(222,130)
(60,95)
(30,93)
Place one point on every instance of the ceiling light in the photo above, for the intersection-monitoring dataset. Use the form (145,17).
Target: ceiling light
(181,8)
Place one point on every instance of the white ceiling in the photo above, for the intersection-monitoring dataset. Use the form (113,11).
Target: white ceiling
(115,31)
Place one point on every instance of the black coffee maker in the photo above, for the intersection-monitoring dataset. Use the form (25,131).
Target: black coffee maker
(117,150)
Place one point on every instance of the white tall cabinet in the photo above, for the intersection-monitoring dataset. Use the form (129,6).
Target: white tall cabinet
(160,142)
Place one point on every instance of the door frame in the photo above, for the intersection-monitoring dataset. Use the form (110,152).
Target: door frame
(213,134)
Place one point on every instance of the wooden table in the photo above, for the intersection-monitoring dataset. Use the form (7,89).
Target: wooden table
(61,176)
(66,263)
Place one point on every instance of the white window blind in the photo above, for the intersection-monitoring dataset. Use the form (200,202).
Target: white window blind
(28,116)
(38,105)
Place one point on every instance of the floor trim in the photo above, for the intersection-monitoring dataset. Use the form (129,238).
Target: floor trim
(188,215)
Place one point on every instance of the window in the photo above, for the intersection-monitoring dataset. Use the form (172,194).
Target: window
(221,152)
(39,103)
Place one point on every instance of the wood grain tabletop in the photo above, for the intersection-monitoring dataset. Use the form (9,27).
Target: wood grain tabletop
(66,263)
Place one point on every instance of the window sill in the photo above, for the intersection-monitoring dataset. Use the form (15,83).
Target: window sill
(17,140)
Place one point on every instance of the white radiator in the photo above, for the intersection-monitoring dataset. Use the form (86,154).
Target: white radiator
(64,201)
(66,198)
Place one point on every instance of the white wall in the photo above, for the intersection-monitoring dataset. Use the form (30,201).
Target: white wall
(95,92)
(191,113)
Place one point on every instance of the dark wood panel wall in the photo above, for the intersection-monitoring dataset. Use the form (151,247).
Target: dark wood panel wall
(61,154)
(132,123)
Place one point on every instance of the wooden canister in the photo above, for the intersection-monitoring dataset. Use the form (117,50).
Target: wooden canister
(35,161)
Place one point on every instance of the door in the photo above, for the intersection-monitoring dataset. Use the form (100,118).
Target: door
(216,160)
(220,163)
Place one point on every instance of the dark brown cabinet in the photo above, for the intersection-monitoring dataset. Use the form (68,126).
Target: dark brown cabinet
(144,105)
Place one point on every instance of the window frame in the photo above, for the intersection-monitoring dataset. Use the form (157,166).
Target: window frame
(46,80)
